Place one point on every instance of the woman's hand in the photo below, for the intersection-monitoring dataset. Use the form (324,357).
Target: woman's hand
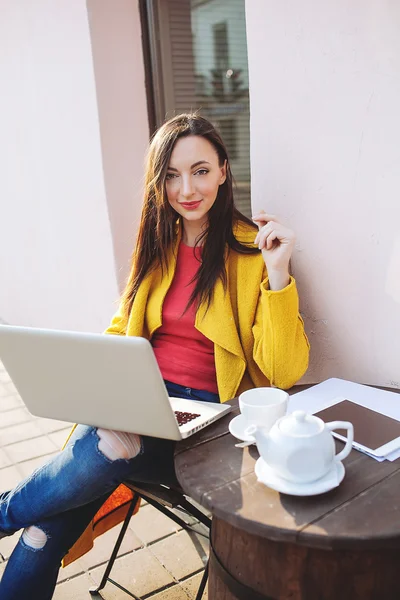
(276,242)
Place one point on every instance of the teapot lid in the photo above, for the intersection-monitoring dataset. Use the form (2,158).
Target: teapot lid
(299,423)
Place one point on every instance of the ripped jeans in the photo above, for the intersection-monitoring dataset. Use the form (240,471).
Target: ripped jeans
(61,498)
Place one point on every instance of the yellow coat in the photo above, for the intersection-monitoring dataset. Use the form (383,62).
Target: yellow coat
(258,334)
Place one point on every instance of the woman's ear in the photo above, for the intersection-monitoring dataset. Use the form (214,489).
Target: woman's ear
(223,172)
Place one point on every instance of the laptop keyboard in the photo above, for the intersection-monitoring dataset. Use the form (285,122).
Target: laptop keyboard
(185,417)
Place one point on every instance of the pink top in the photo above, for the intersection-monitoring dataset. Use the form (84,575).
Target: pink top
(185,356)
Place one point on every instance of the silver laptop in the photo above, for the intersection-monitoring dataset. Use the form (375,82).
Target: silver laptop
(102,380)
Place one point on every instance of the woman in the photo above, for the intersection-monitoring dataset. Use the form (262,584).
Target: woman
(212,292)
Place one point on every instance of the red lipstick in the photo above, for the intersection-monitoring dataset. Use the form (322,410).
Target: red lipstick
(191,205)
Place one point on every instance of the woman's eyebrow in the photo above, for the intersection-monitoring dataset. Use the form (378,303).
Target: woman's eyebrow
(196,164)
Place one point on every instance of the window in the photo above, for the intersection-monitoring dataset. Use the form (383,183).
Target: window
(198,61)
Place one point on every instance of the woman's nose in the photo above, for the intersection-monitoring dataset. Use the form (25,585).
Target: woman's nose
(187,189)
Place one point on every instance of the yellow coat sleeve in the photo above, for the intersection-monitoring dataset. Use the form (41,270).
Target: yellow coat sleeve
(118,324)
(281,348)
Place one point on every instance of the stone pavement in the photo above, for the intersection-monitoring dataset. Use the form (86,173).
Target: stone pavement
(157,559)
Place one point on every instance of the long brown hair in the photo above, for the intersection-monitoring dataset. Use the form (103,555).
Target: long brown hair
(158,224)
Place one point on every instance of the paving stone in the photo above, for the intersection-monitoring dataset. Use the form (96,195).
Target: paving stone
(191,586)
(180,556)
(28,466)
(4,376)
(9,478)
(20,432)
(173,593)
(10,402)
(140,572)
(4,459)
(30,449)
(103,545)
(59,437)
(9,389)
(149,524)
(50,425)
(12,417)
(77,589)
(8,384)
(75,568)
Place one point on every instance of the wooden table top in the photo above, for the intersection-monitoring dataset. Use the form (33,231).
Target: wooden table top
(363,512)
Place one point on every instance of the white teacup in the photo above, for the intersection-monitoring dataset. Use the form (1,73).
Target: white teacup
(263,406)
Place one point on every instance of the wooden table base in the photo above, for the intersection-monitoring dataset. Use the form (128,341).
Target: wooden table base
(281,570)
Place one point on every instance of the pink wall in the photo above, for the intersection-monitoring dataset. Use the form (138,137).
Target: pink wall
(74,129)
(57,267)
(325,133)
(121,97)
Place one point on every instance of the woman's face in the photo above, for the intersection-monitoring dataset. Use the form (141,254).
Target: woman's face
(193,178)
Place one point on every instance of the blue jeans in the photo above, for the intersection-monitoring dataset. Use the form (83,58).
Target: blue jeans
(62,497)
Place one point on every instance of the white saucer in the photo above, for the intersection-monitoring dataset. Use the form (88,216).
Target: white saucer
(331,480)
(237,427)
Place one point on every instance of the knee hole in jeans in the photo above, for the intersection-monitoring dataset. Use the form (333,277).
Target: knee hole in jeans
(34,537)
(118,444)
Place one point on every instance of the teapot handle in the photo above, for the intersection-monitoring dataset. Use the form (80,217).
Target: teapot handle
(350,437)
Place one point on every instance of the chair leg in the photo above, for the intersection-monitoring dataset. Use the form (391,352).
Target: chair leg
(203,583)
(118,543)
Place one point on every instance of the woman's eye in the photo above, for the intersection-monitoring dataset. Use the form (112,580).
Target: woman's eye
(201,172)
(170,176)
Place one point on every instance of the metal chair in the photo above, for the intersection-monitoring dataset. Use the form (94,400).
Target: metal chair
(165,499)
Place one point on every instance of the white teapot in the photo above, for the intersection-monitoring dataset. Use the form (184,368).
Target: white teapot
(300,447)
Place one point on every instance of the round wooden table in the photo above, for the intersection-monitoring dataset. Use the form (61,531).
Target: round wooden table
(266,545)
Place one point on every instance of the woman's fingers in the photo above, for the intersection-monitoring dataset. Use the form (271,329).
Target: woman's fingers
(262,218)
(272,232)
(264,232)
(275,240)
(266,240)
(270,240)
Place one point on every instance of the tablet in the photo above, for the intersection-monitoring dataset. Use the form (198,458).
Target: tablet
(373,432)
